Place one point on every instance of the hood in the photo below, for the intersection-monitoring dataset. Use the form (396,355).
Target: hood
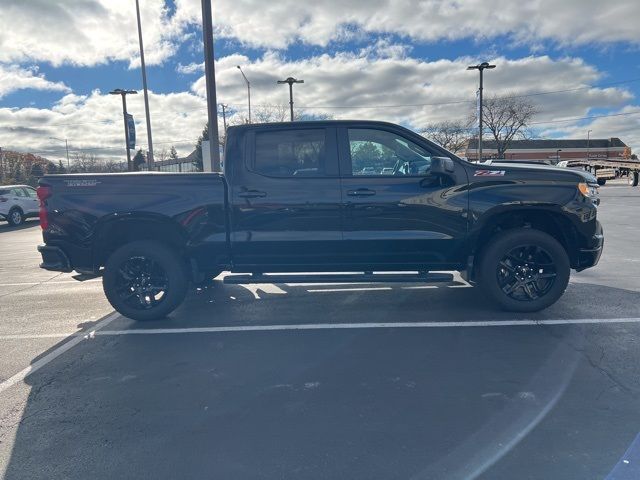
(580,175)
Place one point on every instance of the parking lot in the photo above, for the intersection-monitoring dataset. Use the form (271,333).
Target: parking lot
(323,381)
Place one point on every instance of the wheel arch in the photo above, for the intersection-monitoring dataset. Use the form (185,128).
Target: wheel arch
(549,220)
(117,230)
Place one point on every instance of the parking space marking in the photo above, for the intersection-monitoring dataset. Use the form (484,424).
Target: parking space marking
(41,362)
(47,282)
(98,332)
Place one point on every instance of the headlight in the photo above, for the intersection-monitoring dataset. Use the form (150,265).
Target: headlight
(588,190)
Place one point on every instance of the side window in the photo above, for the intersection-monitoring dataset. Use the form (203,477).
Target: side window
(31,192)
(290,153)
(18,192)
(377,152)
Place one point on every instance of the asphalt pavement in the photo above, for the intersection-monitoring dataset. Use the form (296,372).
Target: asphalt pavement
(391,381)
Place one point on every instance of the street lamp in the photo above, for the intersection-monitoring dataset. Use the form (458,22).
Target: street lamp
(144,87)
(66,144)
(558,155)
(248,89)
(480,67)
(588,138)
(290,81)
(123,94)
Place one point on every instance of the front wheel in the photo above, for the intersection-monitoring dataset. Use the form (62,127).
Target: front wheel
(524,270)
(144,280)
(632,179)
(15,217)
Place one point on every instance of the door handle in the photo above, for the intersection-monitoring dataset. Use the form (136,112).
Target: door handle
(252,194)
(361,192)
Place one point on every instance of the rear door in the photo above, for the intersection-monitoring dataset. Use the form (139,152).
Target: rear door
(285,211)
(31,202)
(397,212)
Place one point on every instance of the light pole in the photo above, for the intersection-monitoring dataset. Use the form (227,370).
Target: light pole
(248,90)
(66,144)
(146,95)
(558,155)
(224,116)
(588,138)
(123,94)
(210,77)
(480,67)
(290,81)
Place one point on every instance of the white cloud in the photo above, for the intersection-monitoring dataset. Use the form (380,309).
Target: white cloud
(93,123)
(279,24)
(85,32)
(346,79)
(13,78)
(90,32)
(190,68)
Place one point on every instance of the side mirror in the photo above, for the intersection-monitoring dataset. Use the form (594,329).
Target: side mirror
(442,165)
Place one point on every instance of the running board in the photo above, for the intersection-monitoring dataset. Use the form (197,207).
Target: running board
(367,277)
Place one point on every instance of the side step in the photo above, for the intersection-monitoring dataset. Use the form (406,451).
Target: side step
(364,277)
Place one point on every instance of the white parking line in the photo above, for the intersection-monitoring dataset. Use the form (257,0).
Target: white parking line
(97,331)
(52,355)
(77,337)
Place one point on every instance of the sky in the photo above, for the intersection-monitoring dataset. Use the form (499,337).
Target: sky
(402,61)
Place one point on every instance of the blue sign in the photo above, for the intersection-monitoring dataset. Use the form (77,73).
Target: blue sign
(131,131)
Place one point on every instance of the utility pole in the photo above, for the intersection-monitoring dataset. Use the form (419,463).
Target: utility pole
(224,116)
(558,155)
(481,67)
(123,94)
(66,144)
(210,76)
(146,95)
(588,138)
(290,81)
(248,90)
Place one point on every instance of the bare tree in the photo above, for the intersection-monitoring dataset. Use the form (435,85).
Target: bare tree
(162,155)
(271,113)
(450,134)
(507,118)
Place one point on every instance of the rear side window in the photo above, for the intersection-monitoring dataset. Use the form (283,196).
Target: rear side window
(18,192)
(4,191)
(290,153)
(31,192)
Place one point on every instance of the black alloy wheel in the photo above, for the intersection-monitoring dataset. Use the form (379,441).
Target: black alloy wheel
(526,273)
(523,269)
(142,283)
(145,280)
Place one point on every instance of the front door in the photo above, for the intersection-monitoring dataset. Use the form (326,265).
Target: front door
(397,212)
(286,200)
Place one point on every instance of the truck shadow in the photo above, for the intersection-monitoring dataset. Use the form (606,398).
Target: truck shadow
(28,223)
(380,403)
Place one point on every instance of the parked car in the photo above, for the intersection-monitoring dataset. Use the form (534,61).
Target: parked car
(515,230)
(18,202)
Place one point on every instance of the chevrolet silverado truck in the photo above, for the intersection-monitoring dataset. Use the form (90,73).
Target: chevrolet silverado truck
(330,197)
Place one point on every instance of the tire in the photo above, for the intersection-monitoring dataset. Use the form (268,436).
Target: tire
(15,217)
(632,179)
(145,280)
(602,181)
(501,267)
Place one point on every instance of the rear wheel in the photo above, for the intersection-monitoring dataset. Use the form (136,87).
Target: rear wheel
(524,270)
(145,280)
(602,181)
(15,217)
(632,179)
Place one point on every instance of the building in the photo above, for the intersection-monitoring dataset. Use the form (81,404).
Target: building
(552,151)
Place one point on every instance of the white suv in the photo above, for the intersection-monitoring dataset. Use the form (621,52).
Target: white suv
(18,202)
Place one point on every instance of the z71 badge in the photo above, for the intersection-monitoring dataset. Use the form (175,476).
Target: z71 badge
(489,173)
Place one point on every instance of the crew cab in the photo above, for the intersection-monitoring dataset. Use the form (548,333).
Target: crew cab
(329,196)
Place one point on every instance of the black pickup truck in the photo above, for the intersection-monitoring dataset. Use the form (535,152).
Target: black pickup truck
(334,196)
